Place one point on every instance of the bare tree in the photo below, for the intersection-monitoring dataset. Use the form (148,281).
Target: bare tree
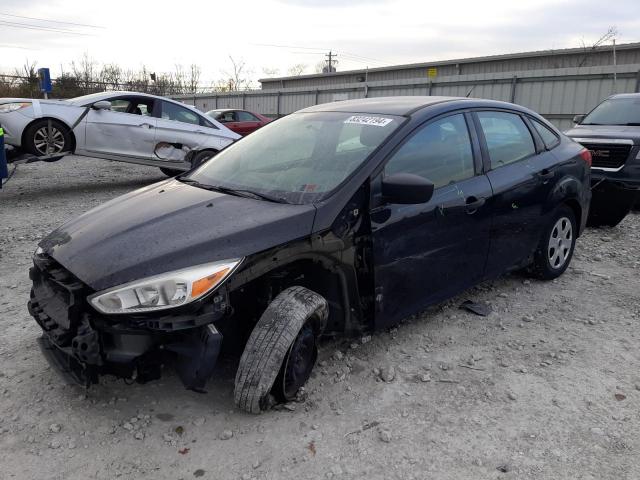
(610,34)
(270,72)
(237,79)
(297,69)
(194,78)
(111,76)
(85,72)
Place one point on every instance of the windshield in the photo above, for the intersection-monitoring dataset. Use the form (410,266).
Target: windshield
(85,99)
(299,158)
(615,111)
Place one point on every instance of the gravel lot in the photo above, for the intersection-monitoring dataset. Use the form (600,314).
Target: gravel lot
(546,387)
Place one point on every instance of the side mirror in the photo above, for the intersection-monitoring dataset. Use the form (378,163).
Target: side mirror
(577,119)
(102,105)
(407,189)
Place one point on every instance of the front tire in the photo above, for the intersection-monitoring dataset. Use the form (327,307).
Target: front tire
(281,350)
(555,250)
(40,138)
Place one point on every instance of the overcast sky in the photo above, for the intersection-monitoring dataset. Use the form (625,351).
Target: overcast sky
(364,33)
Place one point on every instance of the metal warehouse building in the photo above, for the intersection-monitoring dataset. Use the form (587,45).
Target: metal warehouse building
(556,83)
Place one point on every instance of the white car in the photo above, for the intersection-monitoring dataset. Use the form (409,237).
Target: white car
(123,126)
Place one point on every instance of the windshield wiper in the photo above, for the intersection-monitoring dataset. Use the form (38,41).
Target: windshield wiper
(633,124)
(234,191)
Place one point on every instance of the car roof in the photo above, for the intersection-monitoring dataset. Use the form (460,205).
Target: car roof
(407,105)
(625,95)
(96,96)
(382,105)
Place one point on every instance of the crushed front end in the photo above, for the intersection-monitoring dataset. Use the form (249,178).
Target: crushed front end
(84,344)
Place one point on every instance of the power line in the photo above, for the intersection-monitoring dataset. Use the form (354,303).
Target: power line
(51,21)
(287,46)
(45,29)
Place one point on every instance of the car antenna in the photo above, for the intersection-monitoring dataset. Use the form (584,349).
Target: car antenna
(469,92)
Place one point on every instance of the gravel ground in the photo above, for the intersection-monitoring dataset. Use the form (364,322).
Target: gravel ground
(546,387)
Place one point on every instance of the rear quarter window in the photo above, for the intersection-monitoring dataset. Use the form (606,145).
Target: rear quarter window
(549,137)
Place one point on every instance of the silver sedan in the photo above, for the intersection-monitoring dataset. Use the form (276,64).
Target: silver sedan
(123,126)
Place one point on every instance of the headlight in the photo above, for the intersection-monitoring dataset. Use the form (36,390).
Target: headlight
(167,290)
(12,107)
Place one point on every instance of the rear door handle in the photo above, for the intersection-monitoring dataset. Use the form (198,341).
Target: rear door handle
(145,125)
(472,204)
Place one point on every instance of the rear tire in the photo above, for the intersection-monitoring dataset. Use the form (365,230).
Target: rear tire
(170,172)
(555,250)
(201,157)
(38,142)
(198,159)
(293,321)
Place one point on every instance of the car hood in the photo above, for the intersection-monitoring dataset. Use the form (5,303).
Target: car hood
(168,226)
(605,131)
(30,100)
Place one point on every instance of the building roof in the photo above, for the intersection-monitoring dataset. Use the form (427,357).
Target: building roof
(489,58)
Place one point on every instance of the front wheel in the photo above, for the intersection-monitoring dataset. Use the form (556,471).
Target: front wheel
(46,137)
(609,207)
(555,250)
(281,350)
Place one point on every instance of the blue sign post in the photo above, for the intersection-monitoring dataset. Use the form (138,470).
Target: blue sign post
(44,81)
(4,172)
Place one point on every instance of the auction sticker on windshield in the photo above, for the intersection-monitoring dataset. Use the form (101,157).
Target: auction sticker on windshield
(367,120)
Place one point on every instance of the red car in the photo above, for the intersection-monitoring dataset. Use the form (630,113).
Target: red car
(239,121)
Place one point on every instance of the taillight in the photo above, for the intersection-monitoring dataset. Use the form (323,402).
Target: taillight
(586,156)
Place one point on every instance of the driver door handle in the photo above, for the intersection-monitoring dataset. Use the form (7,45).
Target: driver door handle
(145,125)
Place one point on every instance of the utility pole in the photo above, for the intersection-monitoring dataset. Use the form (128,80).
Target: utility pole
(615,68)
(330,58)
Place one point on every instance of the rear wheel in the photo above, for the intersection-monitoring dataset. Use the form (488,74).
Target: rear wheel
(198,159)
(170,172)
(555,250)
(282,349)
(202,157)
(46,137)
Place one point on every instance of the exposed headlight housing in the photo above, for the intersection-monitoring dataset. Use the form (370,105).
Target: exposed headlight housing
(12,107)
(167,290)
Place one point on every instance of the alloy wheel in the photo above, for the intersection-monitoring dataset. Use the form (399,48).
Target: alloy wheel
(560,243)
(48,140)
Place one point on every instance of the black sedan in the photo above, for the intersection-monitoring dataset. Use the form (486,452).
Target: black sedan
(341,218)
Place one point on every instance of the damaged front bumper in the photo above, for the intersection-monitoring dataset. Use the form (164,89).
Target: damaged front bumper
(83,345)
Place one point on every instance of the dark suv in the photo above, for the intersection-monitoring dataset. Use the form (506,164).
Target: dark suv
(611,131)
(339,219)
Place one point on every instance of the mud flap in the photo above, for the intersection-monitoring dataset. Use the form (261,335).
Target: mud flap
(196,357)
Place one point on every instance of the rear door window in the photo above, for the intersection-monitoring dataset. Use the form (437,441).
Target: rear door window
(507,136)
(246,117)
(171,111)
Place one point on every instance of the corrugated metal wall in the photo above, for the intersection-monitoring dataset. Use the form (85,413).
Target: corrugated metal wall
(627,54)
(558,93)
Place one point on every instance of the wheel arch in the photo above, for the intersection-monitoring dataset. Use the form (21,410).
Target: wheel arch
(324,275)
(576,208)
(50,117)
